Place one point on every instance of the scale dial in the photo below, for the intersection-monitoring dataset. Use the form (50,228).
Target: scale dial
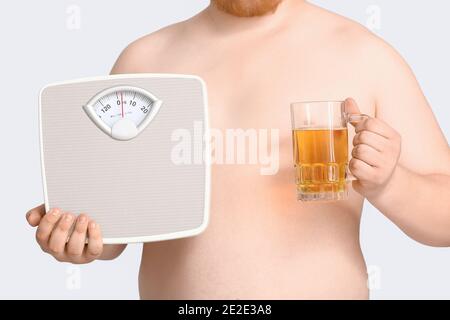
(122,112)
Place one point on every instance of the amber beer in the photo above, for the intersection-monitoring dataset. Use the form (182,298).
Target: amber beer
(320,137)
(321,157)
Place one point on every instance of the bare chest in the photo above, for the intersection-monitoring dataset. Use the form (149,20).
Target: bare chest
(250,89)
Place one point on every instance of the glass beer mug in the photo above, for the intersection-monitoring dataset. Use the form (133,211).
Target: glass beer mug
(321,153)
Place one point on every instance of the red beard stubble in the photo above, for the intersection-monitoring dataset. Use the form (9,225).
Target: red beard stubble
(247,8)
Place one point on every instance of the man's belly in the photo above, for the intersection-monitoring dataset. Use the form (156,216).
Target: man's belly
(261,244)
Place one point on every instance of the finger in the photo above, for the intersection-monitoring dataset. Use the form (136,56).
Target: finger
(77,240)
(371,139)
(46,226)
(367,154)
(35,215)
(376,126)
(60,234)
(361,170)
(95,242)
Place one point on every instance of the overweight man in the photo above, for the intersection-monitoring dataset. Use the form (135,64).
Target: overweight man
(257,57)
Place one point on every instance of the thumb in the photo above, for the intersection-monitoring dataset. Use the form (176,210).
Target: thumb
(35,215)
(351,107)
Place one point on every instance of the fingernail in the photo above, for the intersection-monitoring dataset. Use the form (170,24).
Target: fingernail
(93,225)
(54,212)
(68,217)
(82,219)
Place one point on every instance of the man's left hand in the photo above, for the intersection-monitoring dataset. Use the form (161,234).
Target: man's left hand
(375,155)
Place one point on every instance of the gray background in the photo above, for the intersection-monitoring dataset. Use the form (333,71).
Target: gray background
(38,47)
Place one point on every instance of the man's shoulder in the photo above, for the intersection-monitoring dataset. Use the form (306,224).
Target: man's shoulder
(145,51)
(355,40)
(371,60)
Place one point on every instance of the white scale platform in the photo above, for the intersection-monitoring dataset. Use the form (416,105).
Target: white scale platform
(106,150)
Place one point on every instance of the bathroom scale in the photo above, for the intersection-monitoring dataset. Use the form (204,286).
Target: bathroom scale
(130,151)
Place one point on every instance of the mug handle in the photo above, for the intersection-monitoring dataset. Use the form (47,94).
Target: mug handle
(354,118)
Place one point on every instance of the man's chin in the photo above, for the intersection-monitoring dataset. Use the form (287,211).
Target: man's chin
(247,8)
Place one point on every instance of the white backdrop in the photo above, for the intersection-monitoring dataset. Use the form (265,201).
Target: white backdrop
(46,41)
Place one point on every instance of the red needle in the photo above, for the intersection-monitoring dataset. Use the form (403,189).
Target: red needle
(121,98)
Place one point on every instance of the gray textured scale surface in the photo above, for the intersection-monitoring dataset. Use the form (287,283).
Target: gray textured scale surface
(131,188)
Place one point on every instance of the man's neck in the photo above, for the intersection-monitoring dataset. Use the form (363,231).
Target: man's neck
(226,23)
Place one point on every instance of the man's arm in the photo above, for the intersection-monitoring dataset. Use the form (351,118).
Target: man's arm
(405,171)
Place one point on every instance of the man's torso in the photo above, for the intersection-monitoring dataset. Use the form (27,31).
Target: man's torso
(261,242)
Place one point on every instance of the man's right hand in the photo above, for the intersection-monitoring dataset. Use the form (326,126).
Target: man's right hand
(54,235)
